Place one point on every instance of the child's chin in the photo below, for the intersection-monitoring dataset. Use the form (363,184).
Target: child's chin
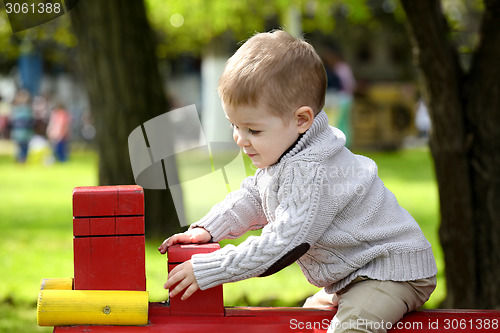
(260,165)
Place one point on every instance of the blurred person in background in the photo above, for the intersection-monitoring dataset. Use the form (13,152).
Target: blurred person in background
(423,120)
(41,114)
(4,118)
(58,131)
(342,70)
(21,124)
(341,85)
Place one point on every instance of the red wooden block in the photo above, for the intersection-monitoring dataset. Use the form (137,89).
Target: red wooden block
(95,201)
(130,200)
(208,302)
(101,226)
(180,253)
(81,227)
(130,225)
(109,263)
(82,259)
(109,250)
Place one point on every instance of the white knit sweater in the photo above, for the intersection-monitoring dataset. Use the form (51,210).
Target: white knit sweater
(325,200)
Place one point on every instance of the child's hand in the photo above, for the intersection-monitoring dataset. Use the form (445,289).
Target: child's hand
(183,275)
(194,235)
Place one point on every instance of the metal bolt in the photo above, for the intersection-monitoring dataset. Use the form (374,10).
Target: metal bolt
(106,310)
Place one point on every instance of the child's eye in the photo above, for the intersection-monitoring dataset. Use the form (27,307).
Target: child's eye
(254,132)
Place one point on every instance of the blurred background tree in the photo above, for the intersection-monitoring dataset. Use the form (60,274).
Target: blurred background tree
(461,81)
(116,49)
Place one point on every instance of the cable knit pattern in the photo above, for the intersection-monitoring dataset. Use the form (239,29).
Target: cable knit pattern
(321,194)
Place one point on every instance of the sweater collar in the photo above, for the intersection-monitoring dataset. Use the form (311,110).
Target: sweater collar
(319,124)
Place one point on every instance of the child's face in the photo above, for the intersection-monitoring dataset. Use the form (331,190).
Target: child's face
(263,136)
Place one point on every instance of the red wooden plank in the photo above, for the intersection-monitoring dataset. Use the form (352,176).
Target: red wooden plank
(95,201)
(183,252)
(133,262)
(102,226)
(281,320)
(130,200)
(208,302)
(130,225)
(82,262)
(110,263)
(81,227)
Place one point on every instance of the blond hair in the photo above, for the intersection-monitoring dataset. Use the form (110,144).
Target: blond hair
(275,70)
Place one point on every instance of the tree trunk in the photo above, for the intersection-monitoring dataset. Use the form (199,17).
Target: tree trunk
(464,108)
(483,113)
(117,61)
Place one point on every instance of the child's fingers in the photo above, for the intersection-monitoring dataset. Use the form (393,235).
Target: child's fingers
(176,275)
(178,288)
(180,278)
(179,238)
(190,291)
(172,279)
(163,247)
(182,283)
(175,239)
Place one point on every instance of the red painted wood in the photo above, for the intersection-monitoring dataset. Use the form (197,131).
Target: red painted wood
(109,250)
(102,226)
(130,225)
(94,201)
(110,263)
(208,302)
(108,226)
(130,200)
(183,252)
(81,226)
(82,258)
(294,320)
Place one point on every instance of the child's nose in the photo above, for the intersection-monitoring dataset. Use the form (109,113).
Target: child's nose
(241,140)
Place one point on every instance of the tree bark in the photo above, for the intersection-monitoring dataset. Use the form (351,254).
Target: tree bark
(464,108)
(117,61)
(483,114)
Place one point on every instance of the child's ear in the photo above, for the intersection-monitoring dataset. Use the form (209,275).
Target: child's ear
(304,117)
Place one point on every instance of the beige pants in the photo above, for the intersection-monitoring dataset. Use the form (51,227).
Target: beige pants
(367,305)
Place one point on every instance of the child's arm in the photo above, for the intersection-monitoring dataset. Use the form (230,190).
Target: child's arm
(238,213)
(305,209)
(193,235)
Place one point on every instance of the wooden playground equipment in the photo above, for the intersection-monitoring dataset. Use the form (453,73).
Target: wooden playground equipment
(108,291)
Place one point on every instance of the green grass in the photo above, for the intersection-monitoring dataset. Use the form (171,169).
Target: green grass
(36,237)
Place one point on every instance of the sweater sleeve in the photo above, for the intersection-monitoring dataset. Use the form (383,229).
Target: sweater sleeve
(295,226)
(238,213)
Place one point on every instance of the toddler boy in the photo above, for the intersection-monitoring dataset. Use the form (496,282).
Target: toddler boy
(315,201)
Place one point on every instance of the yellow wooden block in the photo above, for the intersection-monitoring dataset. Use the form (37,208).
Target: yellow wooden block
(92,307)
(56,284)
